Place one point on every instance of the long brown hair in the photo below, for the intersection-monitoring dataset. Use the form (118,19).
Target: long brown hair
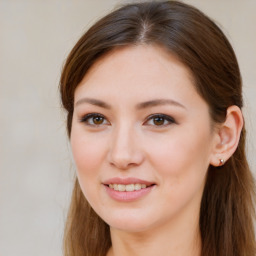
(227,207)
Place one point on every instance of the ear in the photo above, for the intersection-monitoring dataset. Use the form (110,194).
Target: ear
(227,136)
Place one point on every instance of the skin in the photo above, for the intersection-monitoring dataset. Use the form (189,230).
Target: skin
(126,141)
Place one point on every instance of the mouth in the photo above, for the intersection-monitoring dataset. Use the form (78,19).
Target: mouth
(128,187)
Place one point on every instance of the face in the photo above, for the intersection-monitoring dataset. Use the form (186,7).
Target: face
(141,139)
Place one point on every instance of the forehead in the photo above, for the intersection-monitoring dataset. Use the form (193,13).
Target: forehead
(138,71)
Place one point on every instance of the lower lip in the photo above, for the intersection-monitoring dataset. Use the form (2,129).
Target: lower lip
(128,196)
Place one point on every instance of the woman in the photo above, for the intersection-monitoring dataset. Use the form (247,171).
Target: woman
(153,99)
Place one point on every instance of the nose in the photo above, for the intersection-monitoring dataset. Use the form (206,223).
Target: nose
(125,150)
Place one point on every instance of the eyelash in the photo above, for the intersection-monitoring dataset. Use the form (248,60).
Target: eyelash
(167,120)
(90,117)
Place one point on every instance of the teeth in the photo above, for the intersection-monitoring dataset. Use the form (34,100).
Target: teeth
(121,187)
(137,186)
(128,187)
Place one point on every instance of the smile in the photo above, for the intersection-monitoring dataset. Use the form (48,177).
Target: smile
(128,187)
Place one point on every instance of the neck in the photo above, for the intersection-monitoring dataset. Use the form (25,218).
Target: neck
(175,239)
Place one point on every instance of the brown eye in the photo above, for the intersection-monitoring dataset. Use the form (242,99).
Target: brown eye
(98,120)
(158,120)
(94,119)
(161,120)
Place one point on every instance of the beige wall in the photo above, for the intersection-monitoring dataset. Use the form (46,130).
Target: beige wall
(35,169)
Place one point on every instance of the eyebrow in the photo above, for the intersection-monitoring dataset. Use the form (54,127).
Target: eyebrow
(157,102)
(95,102)
(146,104)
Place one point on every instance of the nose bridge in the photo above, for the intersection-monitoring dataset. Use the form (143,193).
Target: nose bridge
(124,149)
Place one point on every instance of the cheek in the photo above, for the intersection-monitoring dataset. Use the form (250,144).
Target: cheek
(182,157)
(88,153)
(85,157)
(85,150)
(181,164)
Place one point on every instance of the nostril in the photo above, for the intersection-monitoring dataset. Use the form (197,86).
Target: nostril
(124,163)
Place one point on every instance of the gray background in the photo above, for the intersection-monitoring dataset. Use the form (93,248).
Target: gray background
(35,168)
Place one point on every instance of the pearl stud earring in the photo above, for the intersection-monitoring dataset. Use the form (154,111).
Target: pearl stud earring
(221,162)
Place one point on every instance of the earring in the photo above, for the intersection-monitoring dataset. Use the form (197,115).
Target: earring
(221,162)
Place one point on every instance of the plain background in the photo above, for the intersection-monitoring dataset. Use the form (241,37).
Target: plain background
(36,173)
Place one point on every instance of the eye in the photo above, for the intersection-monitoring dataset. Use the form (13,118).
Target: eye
(94,119)
(159,120)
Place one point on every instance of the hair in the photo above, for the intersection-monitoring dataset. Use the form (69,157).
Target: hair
(227,208)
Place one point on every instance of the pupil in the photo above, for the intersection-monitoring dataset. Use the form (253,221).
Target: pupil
(98,120)
(158,120)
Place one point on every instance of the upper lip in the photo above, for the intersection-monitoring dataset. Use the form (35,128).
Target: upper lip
(126,181)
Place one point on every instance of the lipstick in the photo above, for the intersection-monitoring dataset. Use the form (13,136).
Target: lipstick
(127,189)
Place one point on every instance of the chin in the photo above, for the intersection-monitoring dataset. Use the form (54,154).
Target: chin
(129,222)
(133,227)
